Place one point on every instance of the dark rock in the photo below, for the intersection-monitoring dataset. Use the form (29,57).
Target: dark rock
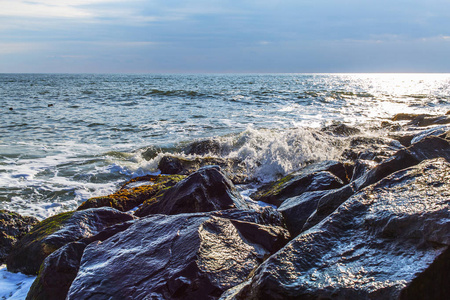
(361,167)
(445,135)
(234,168)
(60,268)
(311,178)
(404,139)
(205,190)
(260,215)
(448,113)
(128,198)
(54,232)
(428,148)
(423,121)
(371,148)
(203,147)
(435,131)
(297,210)
(12,227)
(408,117)
(389,241)
(187,256)
(341,130)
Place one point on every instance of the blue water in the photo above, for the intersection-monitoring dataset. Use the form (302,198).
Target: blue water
(70,137)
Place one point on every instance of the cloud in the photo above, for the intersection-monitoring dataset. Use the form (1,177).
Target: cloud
(21,47)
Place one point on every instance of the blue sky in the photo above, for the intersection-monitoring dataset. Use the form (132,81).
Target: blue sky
(138,36)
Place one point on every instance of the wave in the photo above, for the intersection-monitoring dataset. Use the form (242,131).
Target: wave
(266,154)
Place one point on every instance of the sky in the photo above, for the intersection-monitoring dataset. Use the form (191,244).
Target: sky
(226,36)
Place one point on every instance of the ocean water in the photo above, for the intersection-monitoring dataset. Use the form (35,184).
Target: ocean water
(65,138)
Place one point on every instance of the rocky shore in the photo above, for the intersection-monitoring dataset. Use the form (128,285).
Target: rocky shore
(374,224)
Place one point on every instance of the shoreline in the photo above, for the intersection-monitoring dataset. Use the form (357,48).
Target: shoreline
(316,192)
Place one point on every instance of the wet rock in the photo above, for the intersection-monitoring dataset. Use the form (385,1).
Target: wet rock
(203,147)
(314,177)
(12,227)
(128,198)
(205,190)
(60,268)
(389,241)
(408,117)
(341,130)
(52,233)
(371,148)
(424,120)
(187,256)
(297,210)
(445,135)
(428,148)
(435,131)
(233,168)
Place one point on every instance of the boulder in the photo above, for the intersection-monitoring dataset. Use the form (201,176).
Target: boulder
(341,130)
(129,197)
(205,190)
(315,177)
(424,120)
(60,268)
(186,256)
(234,168)
(203,147)
(388,241)
(428,148)
(297,210)
(434,131)
(371,148)
(12,227)
(408,117)
(52,233)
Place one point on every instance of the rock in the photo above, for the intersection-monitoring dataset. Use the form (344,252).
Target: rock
(341,130)
(186,256)
(128,198)
(428,148)
(435,131)
(371,148)
(203,147)
(424,120)
(234,168)
(52,233)
(311,178)
(389,241)
(408,117)
(445,135)
(12,227)
(448,113)
(60,268)
(297,210)
(205,190)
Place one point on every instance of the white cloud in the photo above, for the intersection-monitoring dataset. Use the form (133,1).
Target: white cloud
(13,48)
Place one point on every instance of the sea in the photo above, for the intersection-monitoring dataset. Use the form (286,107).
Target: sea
(67,137)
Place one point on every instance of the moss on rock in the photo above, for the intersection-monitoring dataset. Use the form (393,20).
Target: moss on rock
(128,198)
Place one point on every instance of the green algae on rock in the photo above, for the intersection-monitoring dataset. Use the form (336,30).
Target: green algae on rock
(126,199)
(12,227)
(49,235)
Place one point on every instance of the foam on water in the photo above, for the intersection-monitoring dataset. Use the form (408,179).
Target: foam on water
(102,130)
(14,286)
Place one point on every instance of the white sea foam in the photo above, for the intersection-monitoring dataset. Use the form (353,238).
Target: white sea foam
(14,286)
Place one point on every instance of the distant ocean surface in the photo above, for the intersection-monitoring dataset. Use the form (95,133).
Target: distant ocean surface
(65,138)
